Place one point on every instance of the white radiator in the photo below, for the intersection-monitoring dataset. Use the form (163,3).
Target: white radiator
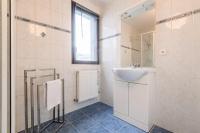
(86,85)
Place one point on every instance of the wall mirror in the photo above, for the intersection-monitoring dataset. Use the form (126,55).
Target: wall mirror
(137,35)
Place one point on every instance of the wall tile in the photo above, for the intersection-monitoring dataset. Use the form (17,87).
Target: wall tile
(50,51)
(66,14)
(58,52)
(182,6)
(25,49)
(20,124)
(20,106)
(56,19)
(163,9)
(176,87)
(196,45)
(43,15)
(56,6)
(44,50)
(26,8)
(65,23)
(25,31)
(183,45)
(20,86)
(24,64)
(43,4)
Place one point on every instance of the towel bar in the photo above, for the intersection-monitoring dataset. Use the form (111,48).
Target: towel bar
(39,130)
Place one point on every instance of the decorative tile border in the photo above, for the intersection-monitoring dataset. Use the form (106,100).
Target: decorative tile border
(41,24)
(178,16)
(109,37)
(130,48)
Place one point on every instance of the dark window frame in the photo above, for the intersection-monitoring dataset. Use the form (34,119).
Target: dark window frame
(88,11)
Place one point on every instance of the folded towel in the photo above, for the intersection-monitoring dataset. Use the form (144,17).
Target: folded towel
(53,94)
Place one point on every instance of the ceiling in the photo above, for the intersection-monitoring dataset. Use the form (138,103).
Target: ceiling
(101,2)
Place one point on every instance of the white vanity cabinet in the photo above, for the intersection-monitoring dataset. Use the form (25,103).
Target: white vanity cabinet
(131,101)
(121,98)
(139,105)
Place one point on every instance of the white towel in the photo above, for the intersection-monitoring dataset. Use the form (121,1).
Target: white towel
(53,93)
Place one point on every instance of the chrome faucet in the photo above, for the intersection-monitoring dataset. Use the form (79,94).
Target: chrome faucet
(134,65)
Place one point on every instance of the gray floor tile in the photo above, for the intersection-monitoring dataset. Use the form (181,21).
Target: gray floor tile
(97,129)
(113,124)
(90,109)
(100,116)
(84,123)
(73,116)
(68,128)
(130,129)
(52,128)
(157,129)
(97,118)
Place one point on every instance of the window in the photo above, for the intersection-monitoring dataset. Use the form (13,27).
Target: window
(85,35)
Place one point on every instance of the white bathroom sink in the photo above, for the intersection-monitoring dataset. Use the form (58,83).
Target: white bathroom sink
(131,74)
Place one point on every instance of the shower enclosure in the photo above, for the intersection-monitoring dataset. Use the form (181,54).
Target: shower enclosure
(147,49)
(142,53)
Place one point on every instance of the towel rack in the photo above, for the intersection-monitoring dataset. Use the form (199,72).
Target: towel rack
(55,76)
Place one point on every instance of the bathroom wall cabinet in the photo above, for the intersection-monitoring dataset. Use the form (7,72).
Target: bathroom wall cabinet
(132,101)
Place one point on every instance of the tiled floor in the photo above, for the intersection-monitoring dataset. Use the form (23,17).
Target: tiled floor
(159,130)
(97,118)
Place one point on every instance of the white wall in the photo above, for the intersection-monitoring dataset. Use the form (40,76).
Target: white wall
(111,25)
(177,94)
(54,50)
(108,62)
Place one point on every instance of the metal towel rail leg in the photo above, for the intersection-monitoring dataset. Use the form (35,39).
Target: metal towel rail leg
(26,97)
(63,98)
(32,104)
(54,109)
(38,108)
(58,76)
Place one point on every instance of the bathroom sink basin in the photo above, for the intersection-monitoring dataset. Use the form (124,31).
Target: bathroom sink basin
(130,74)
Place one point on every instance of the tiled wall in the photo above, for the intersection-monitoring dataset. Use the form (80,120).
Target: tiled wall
(136,53)
(177,94)
(176,97)
(147,49)
(108,62)
(111,25)
(109,59)
(51,18)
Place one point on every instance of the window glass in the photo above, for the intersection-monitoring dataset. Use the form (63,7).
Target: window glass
(85,36)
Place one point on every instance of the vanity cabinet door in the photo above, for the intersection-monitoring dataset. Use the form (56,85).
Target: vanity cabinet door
(138,102)
(121,97)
